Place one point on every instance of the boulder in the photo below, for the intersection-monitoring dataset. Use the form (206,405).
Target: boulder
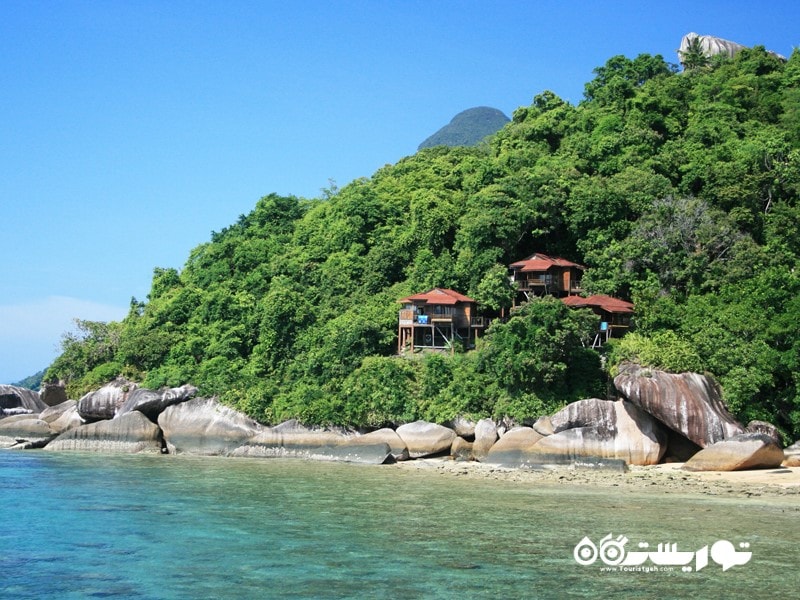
(14,397)
(152,403)
(425,439)
(585,413)
(741,452)
(24,431)
(62,417)
(53,394)
(104,403)
(688,403)
(132,433)
(463,427)
(313,444)
(203,426)
(601,429)
(461,449)
(767,429)
(792,455)
(509,450)
(485,438)
(384,436)
(544,425)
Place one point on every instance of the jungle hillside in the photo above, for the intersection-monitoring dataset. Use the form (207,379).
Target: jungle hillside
(679,190)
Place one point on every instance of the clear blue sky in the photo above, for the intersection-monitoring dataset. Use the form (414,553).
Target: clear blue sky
(129,130)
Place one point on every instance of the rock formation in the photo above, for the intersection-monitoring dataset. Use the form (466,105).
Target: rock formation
(53,394)
(425,439)
(152,403)
(792,455)
(13,398)
(510,450)
(385,436)
(601,429)
(132,433)
(745,451)
(688,403)
(24,431)
(104,403)
(203,426)
(485,438)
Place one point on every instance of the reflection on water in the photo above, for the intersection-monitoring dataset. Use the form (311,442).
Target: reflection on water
(181,527)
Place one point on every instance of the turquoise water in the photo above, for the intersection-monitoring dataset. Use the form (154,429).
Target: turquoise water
(83,526)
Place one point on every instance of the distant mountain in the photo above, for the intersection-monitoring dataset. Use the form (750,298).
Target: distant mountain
(468,128)
(33,382)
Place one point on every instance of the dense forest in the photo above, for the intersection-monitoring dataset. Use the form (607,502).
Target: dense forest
(679,190)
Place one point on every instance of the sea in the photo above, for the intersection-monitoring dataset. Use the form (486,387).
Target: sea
(164,527)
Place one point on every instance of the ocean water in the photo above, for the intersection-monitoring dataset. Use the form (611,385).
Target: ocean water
(162,527)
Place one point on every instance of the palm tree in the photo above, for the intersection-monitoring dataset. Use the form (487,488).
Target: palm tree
(694,57)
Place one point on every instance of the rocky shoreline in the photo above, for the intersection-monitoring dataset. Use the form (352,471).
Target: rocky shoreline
(664,430)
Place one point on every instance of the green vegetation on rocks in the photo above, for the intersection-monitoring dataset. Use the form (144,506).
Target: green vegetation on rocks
(678,191)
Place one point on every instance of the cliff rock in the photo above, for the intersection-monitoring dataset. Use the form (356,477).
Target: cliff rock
(688,403)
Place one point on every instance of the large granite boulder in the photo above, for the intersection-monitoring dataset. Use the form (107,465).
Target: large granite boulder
(62,417)
(741,452)
(17,400)
(425,439)
(463,427)
(203,426)
(384,436)
(53,394)
(104,403)
(152,403)
(315,444)
(688,403)
(792,455)
(485,438)
(24,431)
(132,433)
(510,449)
(601,429)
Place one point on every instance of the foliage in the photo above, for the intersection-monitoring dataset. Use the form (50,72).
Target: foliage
(677,190)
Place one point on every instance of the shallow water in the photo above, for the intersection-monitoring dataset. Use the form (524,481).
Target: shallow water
(81,526)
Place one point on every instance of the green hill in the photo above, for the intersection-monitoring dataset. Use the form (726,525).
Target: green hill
(678,191)
(468,128)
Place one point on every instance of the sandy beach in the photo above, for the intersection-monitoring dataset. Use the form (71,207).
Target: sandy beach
(665,478)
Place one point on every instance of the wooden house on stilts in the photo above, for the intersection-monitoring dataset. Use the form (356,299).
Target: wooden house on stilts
(438,320)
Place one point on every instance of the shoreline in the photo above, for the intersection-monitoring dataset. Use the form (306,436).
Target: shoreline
(663,478)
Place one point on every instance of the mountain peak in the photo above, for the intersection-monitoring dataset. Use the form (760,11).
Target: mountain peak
(468,128)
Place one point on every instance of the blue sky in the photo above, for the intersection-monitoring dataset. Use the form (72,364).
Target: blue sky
(129,130)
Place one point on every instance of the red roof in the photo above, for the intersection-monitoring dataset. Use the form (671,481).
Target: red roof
(606,303)
(439,296)
(542,262)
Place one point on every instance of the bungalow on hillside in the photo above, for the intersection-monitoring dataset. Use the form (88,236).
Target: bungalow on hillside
(436,320)
(615,315)
(542,275)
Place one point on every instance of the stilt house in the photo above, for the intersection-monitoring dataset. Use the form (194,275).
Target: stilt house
(542,275)
(437,320)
